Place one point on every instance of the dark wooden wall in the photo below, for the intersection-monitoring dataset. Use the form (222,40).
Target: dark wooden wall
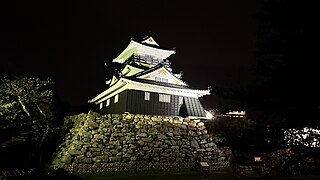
(137,105)
(133,101)
(115,108)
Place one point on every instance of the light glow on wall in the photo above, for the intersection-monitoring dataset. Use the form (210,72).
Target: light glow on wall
(209,115)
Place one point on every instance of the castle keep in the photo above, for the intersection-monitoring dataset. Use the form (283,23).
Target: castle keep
(144,83)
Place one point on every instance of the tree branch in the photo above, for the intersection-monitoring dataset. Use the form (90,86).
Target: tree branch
(23,106)
(44,115)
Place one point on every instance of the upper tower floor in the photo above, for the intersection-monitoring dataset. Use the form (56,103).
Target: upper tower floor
(146,53)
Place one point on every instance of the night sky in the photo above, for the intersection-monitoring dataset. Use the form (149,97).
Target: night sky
(71,42)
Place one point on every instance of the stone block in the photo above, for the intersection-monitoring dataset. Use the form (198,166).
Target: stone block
(130,151)
(82,159)
(142,135)
(98,159)
(66,159)
(94,149)
(162,136)
(110,146)
(74,152)
(170,134)
(203,141)
(201,150)
(194,144)
(147,139)
(89,154)
(165,154)
(185,151)
(115,159)
(115,143)
(140,142)
(126,155)
(134,158)
(114,151)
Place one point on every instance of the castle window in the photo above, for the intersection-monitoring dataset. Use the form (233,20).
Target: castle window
(180,100)
(164,98)
(108,102)
(116,98)
(164,80)
(158,79)
(161,79)
(147,96)
(101,105)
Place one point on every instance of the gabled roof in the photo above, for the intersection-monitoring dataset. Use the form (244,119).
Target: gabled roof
(149,40)
(112,81)
(146,47)
(161,73)
(129,70)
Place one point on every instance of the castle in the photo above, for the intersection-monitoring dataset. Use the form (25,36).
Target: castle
(143,83)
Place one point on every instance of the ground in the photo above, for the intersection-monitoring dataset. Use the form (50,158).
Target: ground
(192,175)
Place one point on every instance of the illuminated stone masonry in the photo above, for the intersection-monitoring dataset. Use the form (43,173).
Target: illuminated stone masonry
(143,83)
(96,141)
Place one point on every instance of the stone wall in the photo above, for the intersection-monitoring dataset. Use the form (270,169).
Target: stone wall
(128,138)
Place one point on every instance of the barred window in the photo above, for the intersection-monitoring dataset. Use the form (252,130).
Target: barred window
(161,79)
(180,100)
(158,79)
(147,96)
(164,80)
(116,98)
(164,98)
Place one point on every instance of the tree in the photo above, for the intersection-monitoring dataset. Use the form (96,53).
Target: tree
(286,94)
(287,52)
(236,133)
(26,108)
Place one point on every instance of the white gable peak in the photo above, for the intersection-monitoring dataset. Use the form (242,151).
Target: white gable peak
(150,40)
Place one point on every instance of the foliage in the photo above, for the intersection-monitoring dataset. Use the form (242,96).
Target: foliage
(286,94)
(288,60)
(290,162)
(306,137)
(26,108)
(285,98)
(237,133)
(277,160)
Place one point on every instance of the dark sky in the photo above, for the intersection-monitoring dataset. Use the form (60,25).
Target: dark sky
(71,42)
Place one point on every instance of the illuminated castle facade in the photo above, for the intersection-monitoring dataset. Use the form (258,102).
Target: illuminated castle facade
(144,83)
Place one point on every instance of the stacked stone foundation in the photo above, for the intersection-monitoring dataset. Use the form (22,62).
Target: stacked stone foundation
(100,140)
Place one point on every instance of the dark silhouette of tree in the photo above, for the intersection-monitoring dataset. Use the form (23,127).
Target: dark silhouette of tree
(236,133)
(26,107)
(287,52)
(286,93)
(28,111)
